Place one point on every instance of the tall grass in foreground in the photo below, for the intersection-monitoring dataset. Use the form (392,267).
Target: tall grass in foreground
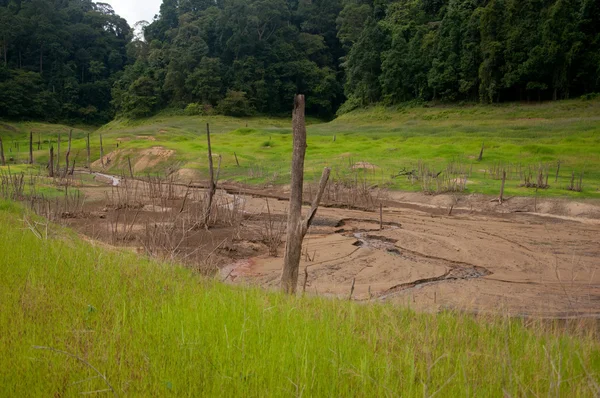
(157,330)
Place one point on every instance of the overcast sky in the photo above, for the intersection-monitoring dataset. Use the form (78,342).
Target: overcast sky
(135,10)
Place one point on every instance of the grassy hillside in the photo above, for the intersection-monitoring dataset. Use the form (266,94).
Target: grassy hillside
(516,137)
(76,318)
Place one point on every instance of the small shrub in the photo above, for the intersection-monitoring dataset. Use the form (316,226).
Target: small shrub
(196,109)
(235,104)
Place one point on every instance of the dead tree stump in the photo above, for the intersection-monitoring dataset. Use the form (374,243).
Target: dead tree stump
(501,198)
(481,153)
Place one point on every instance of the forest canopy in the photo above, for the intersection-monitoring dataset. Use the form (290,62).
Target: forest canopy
(75,59)
(59,59)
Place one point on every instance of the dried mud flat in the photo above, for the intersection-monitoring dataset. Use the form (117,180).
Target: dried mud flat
(483,258)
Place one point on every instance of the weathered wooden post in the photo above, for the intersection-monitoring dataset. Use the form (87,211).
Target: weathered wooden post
(296,227)
(557,172)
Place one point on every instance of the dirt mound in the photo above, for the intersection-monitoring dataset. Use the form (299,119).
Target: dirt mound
(187,175)
(143,159)
(149,158)
(108,159)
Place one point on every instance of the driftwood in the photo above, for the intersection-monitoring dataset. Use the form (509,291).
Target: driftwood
(297,227)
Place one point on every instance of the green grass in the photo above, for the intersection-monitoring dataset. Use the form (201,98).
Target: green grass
(156,329)
(389,138)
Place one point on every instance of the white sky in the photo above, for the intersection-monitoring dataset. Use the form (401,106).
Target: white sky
(135,10)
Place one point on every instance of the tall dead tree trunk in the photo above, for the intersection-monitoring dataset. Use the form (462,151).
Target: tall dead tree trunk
(31,147)
(68,154)
(101,152)
(297,228)
(212,187)
(2,159)
(58,156)
(51,162)
(89,163)
(130,168)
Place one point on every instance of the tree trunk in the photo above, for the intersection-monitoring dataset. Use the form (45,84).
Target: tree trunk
(68,154)
(101,152)
(212,187)
(51,162)
(2,159)
(31,147)
(5,51)
(130,168)
(58,157)
(296,228)
(89,163)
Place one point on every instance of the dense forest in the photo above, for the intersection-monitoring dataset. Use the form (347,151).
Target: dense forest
(59,59)
(74,59)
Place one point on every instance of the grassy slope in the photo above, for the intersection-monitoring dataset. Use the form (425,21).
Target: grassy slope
(514,134)
(154,329)
(392,139)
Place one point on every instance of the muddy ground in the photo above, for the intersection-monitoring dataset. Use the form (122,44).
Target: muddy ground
(525,257)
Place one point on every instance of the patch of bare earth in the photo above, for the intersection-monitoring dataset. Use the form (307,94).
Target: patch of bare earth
(524,257)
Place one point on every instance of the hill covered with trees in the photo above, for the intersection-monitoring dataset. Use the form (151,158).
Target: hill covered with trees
(59,59)
(76,59)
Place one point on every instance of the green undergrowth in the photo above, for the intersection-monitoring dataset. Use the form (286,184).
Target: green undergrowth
(515,136)
(73,310)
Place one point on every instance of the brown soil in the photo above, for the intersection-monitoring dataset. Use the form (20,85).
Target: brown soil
(522,257)
(364,166)
(144,159)
(152,157)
